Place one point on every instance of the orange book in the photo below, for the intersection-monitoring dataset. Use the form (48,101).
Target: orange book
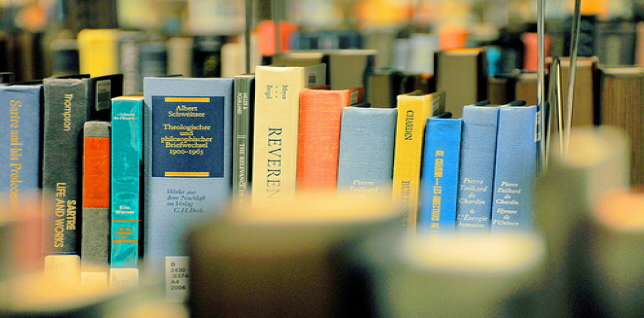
(319,135)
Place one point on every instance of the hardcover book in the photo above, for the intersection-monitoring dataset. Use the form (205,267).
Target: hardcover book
(126,177)
(20,143)
(242,136)
(319,136)
(95,244)
(98,51)
(478,157)
(187,137)
(439,177)
(413,111)
(462,73)
(366,156)
(515,168)
(277,110)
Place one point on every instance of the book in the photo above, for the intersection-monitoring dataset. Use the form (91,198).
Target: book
(439,179)
(20,143)
(383,87)
(64,55)
(153,58)
(615,42)
(187,137)
(584,100)
(242,137)
(180,49)
(515,168)
(366,154)
(478,157)
(413,111)
(620,99)
(98,51)
(126,196)
(319,136)
(206,56)
(95,220)
(275,135)
(68,104)
(462,74)
(129,49)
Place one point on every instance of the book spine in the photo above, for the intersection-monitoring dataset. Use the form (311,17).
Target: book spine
(129,62)
(319,136)
(127,142)
(366,157)
(439,178)
(277,109)
(476,179)
(96,203)
(98,52)
(516,166)
(20,144)
(187,137)
(242,136)
(207,56)
(65,112)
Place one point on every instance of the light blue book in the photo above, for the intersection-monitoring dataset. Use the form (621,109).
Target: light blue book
(366,157)
(20,143)
(439,176)
(187,156)
(478,156)
(516,167)
(126,175)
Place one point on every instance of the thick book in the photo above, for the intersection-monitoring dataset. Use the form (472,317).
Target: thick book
(383,85)
(476,177)
(129,63)
(462,73)
(277,110)
(20,144)
(319,136)
(515,169)
(413,111)
(68,104)
(98,51)
(187,160)
(95,229)
(366,156)
(439,176)
(242,136)
(206,56)
(126,185)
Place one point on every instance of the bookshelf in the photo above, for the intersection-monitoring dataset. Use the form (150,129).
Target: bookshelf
(39,39)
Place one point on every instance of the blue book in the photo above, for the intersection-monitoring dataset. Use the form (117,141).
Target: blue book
(187,168)
(20,143)
(365,163)
(126,197)
(439,176)
(478,156)
(516,167)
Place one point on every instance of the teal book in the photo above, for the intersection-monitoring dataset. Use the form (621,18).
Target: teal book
(242,136)
(366,155)
(515,170)
(20,143)
(439,176)
(126,197)
(478,157)
(187,168)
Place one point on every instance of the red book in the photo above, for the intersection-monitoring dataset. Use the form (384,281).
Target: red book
(319,135)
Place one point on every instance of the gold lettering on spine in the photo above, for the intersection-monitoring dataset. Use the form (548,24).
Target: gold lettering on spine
(15,153)
(67,112)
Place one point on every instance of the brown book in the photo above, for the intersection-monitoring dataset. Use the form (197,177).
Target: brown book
(462,74)
(585,88)
(526,87)
(620,104)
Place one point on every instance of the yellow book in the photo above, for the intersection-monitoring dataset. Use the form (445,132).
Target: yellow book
(98,51)
(275,136)
(413,111)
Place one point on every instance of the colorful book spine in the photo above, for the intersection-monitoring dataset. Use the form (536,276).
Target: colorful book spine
(413,111)
(516,167)
(319,136)
(95,236)
(439,178)
(277,110)
(187,137)
(242,136)
(126,196)
(478,156)
(98,51)
(366,156)
(20,143)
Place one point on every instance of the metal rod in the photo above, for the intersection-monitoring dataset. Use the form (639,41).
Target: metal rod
(541,100)
(576,28)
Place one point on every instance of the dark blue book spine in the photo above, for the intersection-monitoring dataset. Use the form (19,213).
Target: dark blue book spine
(516,166)
(439,177)
(478,156)
(20,144)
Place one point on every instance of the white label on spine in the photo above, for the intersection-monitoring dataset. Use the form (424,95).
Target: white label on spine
(176,278)
(124,278)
